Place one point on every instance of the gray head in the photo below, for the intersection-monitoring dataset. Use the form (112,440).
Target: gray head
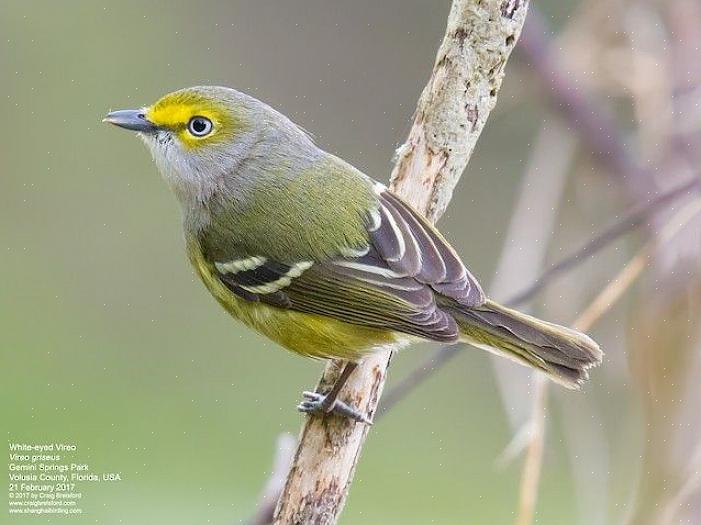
(205,138)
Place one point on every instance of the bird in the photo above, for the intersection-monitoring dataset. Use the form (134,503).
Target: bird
(309,251)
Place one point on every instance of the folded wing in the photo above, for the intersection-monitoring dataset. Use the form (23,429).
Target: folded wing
(392,282)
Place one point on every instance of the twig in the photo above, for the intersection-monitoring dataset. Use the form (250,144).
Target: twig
(450,115)
(629,222)
(597,308)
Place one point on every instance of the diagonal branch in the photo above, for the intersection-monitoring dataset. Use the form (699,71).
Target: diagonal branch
(632,220)
(450,115)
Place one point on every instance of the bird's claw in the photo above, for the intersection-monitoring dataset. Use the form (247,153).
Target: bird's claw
(314,403)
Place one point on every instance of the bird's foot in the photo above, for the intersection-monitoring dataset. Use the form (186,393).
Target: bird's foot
(317,404)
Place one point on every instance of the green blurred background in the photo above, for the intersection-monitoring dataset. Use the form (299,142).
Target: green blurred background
(108,340)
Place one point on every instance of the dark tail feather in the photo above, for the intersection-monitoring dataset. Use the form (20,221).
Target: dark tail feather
(563,354)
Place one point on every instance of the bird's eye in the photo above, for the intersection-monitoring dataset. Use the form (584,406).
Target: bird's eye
(199,126)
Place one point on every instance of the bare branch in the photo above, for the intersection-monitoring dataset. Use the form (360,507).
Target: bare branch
(449,118)
(457,100)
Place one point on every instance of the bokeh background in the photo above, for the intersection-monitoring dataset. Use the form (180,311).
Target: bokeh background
(108,340)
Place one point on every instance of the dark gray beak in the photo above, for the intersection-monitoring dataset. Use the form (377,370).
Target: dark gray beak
(131,119)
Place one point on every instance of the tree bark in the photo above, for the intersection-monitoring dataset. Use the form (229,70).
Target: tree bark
(449,118)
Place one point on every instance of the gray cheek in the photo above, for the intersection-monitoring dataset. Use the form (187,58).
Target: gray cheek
(191,175)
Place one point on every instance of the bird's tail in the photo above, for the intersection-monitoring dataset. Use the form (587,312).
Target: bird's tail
(565,355)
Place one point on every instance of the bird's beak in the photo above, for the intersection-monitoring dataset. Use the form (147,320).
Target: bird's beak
(131,119)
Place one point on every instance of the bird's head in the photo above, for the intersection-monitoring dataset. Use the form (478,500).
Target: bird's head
(196,135)
(209,141)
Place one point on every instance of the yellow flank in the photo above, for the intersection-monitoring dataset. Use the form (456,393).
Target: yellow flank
(310,335)
(175,110)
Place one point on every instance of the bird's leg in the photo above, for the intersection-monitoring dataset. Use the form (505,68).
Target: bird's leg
(320,404)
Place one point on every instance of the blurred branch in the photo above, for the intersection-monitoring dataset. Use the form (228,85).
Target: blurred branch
(689,489)
(597,308)
(665,365)
(450,115)
(633,219)
(526,244)
(612,145)
(284,451)
(632,270)
(593,122)
(530,478)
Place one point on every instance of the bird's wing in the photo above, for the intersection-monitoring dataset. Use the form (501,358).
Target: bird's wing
(391,283)
(409,244)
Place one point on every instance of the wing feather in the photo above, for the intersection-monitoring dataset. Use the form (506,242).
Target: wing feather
(391,283)
(441,267)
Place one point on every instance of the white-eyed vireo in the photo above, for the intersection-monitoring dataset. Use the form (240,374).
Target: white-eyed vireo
(304,248)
